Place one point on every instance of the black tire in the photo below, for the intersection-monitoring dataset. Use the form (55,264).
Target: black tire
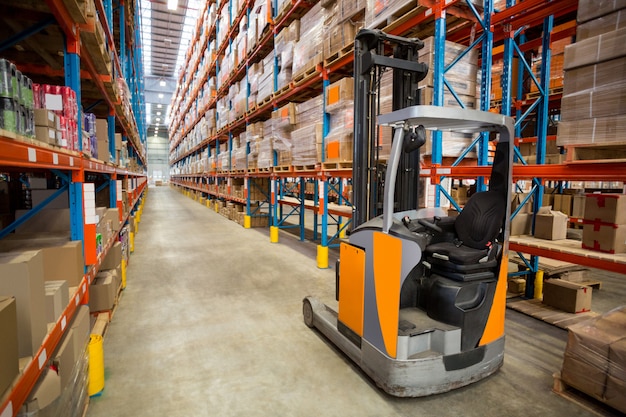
(307,313)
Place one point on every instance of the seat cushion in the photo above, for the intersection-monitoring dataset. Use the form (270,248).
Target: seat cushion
(461,255)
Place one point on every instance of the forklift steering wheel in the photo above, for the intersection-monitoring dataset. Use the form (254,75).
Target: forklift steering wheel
(430,226)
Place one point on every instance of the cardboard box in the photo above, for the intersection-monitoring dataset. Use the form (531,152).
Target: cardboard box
(583,376)
(575,276)
(21,276)
(102,293)
(9,357)
(45,221)
(617,359)
(81,327)
(614,394)
(516,285)
(113,258)
(597,49)
(45,118)
(46,134)
(339,92)
(39,196)
(62,259)
(57,299)
(550,224)
(606,208)
(567,296)
(521,224)
(64,357)
(578,206)
(603,237)
(46,391)
(593,9)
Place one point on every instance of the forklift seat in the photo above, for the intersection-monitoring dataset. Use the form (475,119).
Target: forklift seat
(476,228)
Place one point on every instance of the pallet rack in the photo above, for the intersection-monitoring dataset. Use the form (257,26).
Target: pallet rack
(500,34)
(100,47)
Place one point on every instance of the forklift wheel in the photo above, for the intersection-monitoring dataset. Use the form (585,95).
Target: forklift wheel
(307,312)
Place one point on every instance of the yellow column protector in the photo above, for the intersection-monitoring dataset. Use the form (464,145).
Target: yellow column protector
(387,275)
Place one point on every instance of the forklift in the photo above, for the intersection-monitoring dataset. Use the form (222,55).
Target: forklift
(421,295)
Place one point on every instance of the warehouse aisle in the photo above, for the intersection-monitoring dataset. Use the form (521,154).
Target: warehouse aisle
(210,324)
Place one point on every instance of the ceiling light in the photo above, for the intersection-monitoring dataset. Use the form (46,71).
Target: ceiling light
(158,120)
(158,113)
(172,4)
(162,83)
(160,95)
(159,106)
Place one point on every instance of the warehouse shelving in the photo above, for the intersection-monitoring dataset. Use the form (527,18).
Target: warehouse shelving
(458,21)
(95,71)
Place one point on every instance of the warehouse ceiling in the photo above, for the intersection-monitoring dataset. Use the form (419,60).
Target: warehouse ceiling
(167,26)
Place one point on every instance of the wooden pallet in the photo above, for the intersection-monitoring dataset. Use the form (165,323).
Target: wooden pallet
(238,171)
(283,168)
(340,54)
(305,75)
(280,92)
(334,166)
(535,308)
(536,94)
(264,101)
(302,168)
(585,401)
(607,152)
(261,170)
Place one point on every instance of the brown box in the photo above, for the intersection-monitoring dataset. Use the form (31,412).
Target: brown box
(113,258)
(46,391)
(604,24)
(606,208)
(617,360)
(578,206)
(614,394)
(9,357)
(516,285)
(521,224)
(81,327)
(597,49)
(594,76)
(45,221)
(604,237)
(567,296)
(45,118)
(64,358)
(57,299)
(599,130)
(62,259)
(549,224)
(46,134)
(102,293)
(21,276)
(583,376)
(340,92)
(604,101)
(593,9)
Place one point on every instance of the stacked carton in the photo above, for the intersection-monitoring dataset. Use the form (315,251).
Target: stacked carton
(593,108)
(283,46)
(307,133)
(309,50)
(595,358)
(338,144)
(604,224)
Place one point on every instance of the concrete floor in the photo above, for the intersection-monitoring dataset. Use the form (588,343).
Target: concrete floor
(210,324)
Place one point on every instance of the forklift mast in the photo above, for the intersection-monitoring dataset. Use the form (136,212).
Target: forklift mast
(370,62)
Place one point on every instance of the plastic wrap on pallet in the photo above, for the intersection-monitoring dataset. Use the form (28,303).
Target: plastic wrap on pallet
(338,145)
(600,25)
(309,50)
(239,158)
(305,142)
(350,8)
(309,112)
(342,116)
(595,358)
(461,76)
(279,130)
(453,144)
(338,93)
(608,100)
(265,158)
(283,47)
(378,12)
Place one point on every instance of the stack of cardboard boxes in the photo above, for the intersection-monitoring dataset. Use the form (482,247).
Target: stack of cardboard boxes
(595,356)
(604,224)
(593,109)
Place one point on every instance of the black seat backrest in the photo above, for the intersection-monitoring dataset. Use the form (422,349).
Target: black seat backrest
(481,219)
